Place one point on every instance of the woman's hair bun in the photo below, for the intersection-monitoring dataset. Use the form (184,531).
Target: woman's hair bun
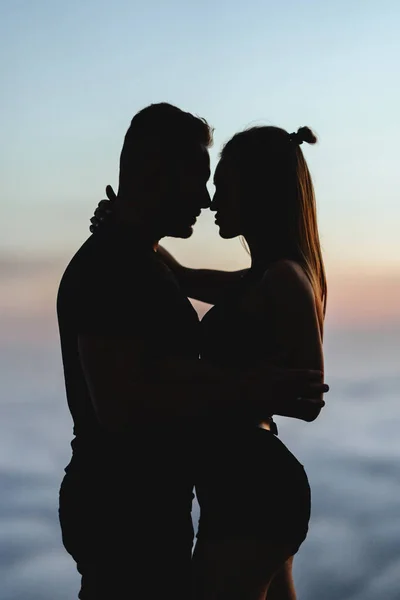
(305,134)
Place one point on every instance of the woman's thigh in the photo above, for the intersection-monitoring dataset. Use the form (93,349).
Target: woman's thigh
(236,569)
(252,487)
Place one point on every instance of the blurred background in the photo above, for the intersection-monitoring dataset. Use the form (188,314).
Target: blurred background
(73,76)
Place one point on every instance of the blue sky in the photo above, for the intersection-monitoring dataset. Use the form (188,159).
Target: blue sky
(75,73)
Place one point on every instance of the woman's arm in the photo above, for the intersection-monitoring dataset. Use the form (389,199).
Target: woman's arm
(292,306)
(206,285)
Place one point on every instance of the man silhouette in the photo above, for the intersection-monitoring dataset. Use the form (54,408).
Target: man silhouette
(136,390)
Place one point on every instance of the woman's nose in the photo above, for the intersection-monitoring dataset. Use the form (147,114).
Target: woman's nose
(213,204)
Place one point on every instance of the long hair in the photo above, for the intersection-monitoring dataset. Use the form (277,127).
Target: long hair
(269,160)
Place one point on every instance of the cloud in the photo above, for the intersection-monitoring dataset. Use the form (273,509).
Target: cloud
(350,454)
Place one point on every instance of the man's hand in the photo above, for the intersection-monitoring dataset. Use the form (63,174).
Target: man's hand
(297,391)
(104,209)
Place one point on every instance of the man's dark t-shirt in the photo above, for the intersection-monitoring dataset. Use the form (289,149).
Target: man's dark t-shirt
(116,286)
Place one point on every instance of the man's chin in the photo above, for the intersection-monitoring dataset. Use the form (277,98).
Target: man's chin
(226,234)
(181,232)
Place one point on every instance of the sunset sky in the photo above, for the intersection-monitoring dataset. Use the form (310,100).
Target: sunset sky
(75,73)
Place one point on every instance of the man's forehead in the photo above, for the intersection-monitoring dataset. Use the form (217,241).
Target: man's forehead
(197,157)
(200,153)
(206,159)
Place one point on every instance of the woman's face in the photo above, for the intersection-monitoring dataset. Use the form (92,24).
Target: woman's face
(226,201)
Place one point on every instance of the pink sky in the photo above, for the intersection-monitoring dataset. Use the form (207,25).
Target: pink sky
(27,299)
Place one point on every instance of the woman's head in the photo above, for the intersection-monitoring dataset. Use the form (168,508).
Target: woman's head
(264,192)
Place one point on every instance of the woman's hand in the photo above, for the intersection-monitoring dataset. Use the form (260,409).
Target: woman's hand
(295,393)
(104,209)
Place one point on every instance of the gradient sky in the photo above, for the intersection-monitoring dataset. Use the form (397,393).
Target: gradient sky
(74,73)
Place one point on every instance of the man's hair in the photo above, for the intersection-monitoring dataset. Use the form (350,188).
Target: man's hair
(163,129)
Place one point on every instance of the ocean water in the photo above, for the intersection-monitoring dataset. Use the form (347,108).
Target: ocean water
(351,454)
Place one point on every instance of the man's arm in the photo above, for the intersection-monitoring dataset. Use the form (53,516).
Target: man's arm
(126,388)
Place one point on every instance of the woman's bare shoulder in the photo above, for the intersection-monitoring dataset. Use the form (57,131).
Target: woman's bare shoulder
(287,278)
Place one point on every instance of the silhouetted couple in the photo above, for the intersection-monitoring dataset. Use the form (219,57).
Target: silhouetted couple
(152,420)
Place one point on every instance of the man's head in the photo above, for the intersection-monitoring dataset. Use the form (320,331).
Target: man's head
(164,169)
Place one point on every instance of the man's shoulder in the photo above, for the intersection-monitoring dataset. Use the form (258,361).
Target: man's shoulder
(81,267)
(101,269)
